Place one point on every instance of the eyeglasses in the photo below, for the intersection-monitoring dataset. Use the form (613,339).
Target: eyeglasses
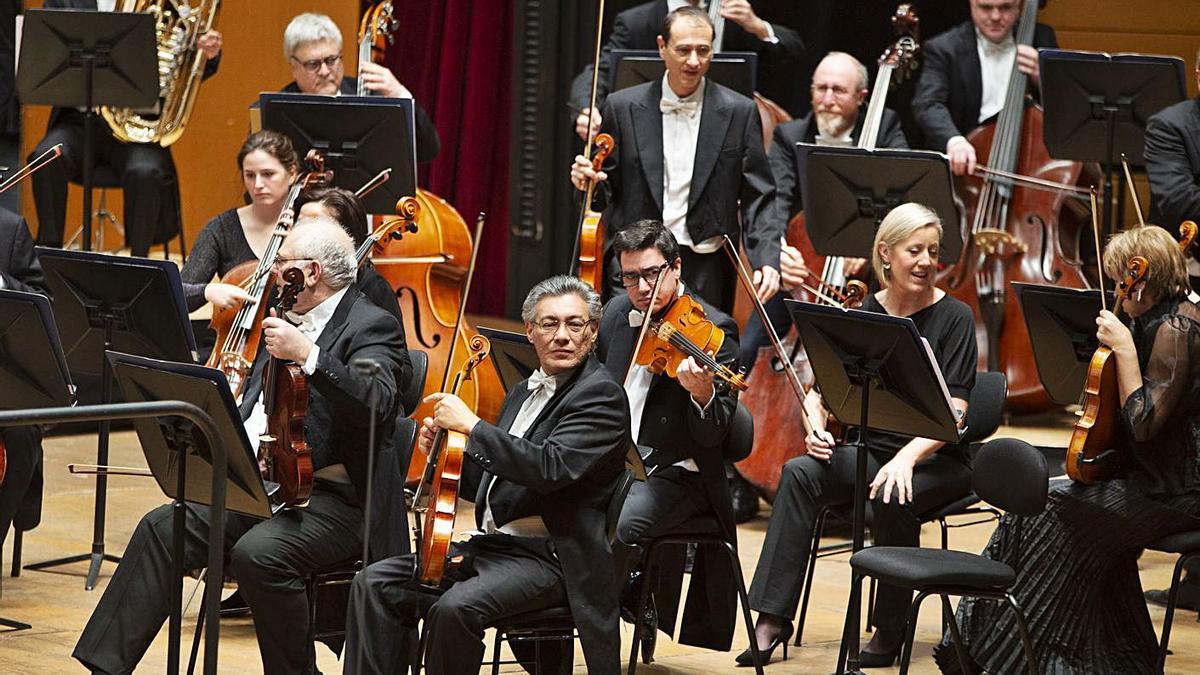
(837,91)
(551,326)
(313,65)
(279,261)
(649,275)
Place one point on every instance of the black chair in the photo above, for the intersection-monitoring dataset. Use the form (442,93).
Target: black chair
(1009,474)
(704,530)
(985,411)
(1187,546)
(105,178)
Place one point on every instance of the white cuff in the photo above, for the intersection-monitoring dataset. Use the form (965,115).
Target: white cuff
(703,409)
(953,140)
(310,364)
(771,34)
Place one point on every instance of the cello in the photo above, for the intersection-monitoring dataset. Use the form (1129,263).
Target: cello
(1016,233)
(285,397)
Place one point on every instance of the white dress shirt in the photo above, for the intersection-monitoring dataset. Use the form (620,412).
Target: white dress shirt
(995,63)
(106,5)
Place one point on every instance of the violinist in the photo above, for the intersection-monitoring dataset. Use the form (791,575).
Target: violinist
(965,76)
(1173,166)
(672,166)
(911,474)
(541,479)
(679,424)
(270,559)
(312,44)
(1080,555)
(637,27)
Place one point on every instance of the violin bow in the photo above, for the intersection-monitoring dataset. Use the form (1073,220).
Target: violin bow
(1099,255)
(39,162)
(1137,204)
(646,319)
(466,292)
(369,187)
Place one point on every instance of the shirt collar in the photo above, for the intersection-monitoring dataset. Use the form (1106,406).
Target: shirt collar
(322,313)
(670,95)
(988,46)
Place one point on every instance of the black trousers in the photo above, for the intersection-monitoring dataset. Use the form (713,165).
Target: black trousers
(147,179)
(500,576)
(667,499)
(269,558)
(806,485)
(22,480)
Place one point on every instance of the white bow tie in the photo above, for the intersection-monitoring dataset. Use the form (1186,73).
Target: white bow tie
(636,317)
(687,108)
(992,49)
(304,322)
(539,380)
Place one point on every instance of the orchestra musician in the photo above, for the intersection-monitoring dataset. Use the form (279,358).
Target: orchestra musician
(687,151)
(270,559)
(965,76)
(1080,555)
(910,474)
(312,44)
(1173,166)
(19,271)
(146,170)
(638,28)
(680,426)
(839,91)
(541,479)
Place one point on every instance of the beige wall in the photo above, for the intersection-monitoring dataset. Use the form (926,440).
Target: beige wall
(252,62)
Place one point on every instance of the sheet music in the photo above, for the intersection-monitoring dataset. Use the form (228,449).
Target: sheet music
(940,378)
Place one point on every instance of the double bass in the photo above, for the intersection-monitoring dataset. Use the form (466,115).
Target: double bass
(1016,233)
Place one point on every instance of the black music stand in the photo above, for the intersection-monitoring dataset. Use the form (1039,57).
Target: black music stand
(875,372)
(1062,331)
(513,355)
(848,191)
(33,372)
(359,136)
(105,302)
(1096,106)
(736,70)
(83,59)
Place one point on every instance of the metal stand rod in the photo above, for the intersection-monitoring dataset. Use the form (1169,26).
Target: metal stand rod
(848,652)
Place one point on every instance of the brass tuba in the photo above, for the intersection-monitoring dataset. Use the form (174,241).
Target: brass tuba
(178,25)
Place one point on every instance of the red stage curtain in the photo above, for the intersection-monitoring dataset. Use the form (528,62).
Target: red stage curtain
(456,58)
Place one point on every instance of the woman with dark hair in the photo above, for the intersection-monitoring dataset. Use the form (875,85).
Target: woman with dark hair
(1077,572)
(269,166)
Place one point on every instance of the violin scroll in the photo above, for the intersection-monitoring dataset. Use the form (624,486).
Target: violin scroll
(1187,235)
(854,295)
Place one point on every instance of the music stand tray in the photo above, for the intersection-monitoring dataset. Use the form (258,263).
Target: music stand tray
(359,135)
(33,370)
(736,70)
(848,191)
(1062,331)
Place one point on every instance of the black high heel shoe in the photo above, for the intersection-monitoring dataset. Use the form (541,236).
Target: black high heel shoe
(886,659)
(746,658)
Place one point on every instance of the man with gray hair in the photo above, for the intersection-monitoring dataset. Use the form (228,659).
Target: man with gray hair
(337,327)
(312,44)
(541,479)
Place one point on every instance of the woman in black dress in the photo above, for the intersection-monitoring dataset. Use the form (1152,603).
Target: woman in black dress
(912,475)
(1077,576)
(269,166)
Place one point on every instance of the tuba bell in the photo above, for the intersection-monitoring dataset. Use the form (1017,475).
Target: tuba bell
(178,26)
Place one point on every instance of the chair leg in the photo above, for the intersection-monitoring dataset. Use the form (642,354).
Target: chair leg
(947,616)
(745,600)
(910,631)
(871,605)
(18,536)
(419,661)
(1169,618)
(955,636)
(648,564)
(808,579)
(496,652)
(1026,643)
(200,616)
(844,648)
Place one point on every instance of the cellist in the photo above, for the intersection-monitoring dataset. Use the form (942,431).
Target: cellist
(541,480)
(1080,555)
(965,74)
(271,558)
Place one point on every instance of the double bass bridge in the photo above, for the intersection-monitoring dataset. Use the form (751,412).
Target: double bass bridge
(993,242)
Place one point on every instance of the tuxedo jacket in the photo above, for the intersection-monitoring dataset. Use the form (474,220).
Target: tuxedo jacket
(428,144)
(730,169)
(563,469)
(675,429)
(639,27)
(1173,163)
(785,158)
(339,413)
(950,90)
(19,266)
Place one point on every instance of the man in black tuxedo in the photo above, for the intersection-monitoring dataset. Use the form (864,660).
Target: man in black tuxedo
(965,76)
(20,492)
(312,44)
(689,154)
(270,559)
(146,170)
(638,28)
(680,426)
(541,478)
(1173,165)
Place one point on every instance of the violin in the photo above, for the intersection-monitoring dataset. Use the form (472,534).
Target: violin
(375,32)
(1091,454)
(239,328)
(440,482)
(285,396)
(682,331)
(591,228)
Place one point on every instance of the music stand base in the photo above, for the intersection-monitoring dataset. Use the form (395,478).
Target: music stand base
(10,626)
(96,558)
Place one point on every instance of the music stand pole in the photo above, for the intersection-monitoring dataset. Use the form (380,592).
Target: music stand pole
(89,150)
(850,630)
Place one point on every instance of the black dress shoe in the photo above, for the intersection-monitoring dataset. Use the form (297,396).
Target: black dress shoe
(868,659)
(649,630)
(1187,598)
(234,605)
(746,658)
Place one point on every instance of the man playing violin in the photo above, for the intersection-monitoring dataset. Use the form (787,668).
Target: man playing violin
(541,479)
(312,44)
(679,425)
(965,76)
(689,153)
(271,559)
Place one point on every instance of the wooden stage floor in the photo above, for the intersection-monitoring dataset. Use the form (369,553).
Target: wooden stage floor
(57,606)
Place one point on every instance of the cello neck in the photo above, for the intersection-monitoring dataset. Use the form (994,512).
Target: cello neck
(1006,142)
(873,120)
(718,22)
